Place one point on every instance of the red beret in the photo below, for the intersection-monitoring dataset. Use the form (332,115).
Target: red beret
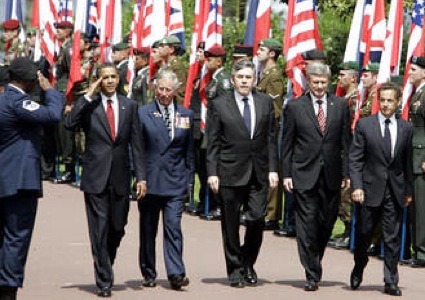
(64,24)
(11,24)
(215,51)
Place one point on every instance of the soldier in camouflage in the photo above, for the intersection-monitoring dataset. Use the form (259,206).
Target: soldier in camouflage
(369,79)
(169,51)
(272,82)
(120,54)
(347,78)
(14,47)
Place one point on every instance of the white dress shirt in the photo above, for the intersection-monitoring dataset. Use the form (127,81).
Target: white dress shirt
(172,115)
(393,129)
(241,104)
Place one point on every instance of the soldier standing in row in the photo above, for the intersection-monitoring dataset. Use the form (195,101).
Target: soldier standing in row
(219,85)
(369,79)
(271,82)
(120,53)
(14,47)
(169,50)
(141,80)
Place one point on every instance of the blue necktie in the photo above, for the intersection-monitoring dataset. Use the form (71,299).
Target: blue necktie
(387,140)
(247,114)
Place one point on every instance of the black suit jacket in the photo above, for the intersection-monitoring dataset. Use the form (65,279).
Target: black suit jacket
(305,150)
(232,154)
(368,168)
(106,161)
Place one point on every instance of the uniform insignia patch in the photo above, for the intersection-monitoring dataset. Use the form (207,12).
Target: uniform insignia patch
(226,83)
(274,96)
(30,105)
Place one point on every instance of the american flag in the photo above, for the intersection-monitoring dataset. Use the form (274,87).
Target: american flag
(301,35)
(48,16)
(390,59)
(212,35)
(415,47)
(92,29)
(258,23)
(174,20)
(110,23)
(65,11)
(135,42)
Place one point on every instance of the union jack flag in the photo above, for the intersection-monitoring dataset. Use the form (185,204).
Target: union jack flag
(301,35)
(65,10)
(174,20)
(415,47)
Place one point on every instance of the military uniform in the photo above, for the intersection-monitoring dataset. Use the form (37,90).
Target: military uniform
(272,83)
(417,118)
(366,109)
(140,87)
(122,69)
(176,65)
(65,138)
(17,49)
(219,84)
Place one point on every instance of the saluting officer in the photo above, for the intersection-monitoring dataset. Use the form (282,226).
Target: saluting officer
(21,121)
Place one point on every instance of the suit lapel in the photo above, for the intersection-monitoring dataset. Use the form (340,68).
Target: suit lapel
(158,121)
(400,132)
(234,111)
(121,116)
(310,111)
(100,113)
(330,112)
(259,107)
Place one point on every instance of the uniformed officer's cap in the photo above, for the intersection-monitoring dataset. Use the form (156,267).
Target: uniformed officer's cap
(372,67)
(314,54)
(201,45)
(242,51)
(349,65)
(155,44)
(64,25)
(170,40)
(120,46)
(11,24)
(23,69)
(32,31)
(215,51)
(271,44)
(143,51)
(4,75)
(418,60)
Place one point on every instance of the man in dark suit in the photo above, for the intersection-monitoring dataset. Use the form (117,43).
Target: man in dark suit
(242,165)
(315,145)
(167,132)
(382,181)
(110,123)
(21,121)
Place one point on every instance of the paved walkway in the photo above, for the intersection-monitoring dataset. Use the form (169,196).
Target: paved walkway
(60,264)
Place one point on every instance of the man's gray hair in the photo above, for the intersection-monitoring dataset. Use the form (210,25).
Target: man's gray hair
(167,74)
(318,69)
(242,64)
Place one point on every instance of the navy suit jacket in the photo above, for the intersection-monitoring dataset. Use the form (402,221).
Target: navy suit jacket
(368,168)
(169,163)
(21,123)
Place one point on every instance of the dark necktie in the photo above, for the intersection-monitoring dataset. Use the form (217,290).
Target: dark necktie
(321,116)
(387,140)
(167,121)
(247,114)
(111,118)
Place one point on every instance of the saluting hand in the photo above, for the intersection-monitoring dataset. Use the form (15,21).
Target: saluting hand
(93,87)
(44,82)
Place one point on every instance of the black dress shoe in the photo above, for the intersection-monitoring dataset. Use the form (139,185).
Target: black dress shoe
(356,278)
(178,281)
(270,225)
(372,250)
(343,243)
(392,289)
(250,276)
(8,293)
(149,282)
(311,286)
(236,279)
(104,292)
(417,263)
(285,232)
